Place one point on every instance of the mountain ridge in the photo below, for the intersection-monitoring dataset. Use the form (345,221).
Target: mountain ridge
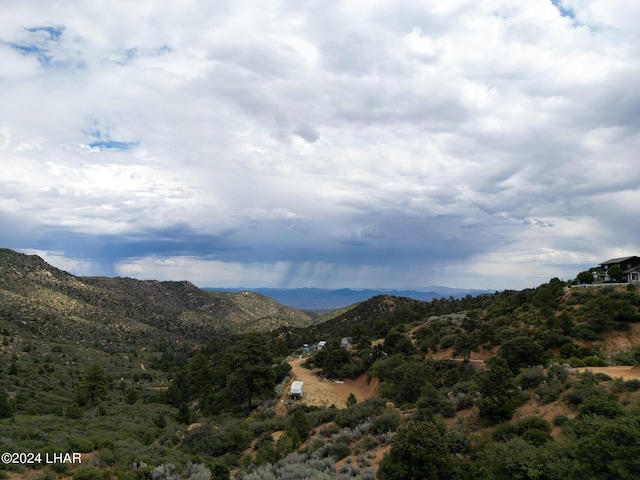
(323,300)
(27,282)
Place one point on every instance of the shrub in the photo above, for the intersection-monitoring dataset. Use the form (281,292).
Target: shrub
(568,350)
(586,388)
(369,443)
(322,415)
(160,421)
(80,444)
(107,457)
(59,468)
(531,377)
(337,450)
(594,361)
(576,362)
(6,407)
(464,387)
(386,422)
(620,385)
(219,471)
(358,413)
(624,358)
(583,332)
(505,432)
(419,450)
(605,406)
(458,443)
(549,391)
(520,352)
(557,372)
(448,340)
(87,472)
(212,441)
(560,420)
(432,402)
(496,411)
(266,453)
(464,402)
(194,471)
(533,423)
(536,437)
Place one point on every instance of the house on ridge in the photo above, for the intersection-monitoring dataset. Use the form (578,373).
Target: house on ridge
(630,267)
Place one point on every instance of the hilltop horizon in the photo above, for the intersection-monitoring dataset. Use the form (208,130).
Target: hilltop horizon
(322,299)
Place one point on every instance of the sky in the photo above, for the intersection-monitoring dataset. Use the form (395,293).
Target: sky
(487,144)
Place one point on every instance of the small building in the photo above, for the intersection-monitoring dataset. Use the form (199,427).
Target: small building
(296,390)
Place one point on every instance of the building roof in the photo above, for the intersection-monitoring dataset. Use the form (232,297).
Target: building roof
(614,261)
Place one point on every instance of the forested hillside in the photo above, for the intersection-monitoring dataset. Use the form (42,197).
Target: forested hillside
(162,380)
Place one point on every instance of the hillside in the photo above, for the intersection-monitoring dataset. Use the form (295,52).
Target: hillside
(163,380)
(68,304)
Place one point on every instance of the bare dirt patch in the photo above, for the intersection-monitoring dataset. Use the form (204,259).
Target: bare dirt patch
(616,342)
(548,411)
(324,392)
(624,372)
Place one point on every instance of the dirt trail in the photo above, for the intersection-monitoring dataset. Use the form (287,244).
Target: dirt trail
(323,392)
(627,373)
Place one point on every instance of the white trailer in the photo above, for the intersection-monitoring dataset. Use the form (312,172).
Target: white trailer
(296,390)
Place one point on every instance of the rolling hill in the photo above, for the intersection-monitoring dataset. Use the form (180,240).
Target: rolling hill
(31,289)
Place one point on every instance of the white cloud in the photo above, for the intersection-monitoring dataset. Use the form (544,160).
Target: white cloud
(60,260)
(339,140)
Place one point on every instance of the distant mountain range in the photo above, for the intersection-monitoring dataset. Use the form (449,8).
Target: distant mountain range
(322,300)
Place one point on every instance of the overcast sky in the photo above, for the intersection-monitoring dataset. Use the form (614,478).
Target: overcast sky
(379,143)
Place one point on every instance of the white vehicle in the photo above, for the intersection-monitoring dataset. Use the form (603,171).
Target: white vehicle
(296,390)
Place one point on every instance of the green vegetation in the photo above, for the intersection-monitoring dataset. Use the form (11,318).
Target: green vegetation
(162,380)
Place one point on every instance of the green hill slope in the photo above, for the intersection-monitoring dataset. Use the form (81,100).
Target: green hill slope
(102,307)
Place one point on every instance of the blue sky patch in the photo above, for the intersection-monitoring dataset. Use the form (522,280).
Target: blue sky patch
(104,141)
(565,12)
(41,54)
(39,45)
(54,32)
(128,55)
(112,145)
